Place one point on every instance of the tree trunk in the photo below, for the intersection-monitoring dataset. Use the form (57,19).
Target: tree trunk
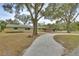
(68,27)
(34,28)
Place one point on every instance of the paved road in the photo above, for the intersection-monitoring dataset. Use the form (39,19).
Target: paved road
(45,45)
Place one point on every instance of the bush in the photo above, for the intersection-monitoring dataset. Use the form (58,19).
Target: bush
(27,28)
(29,36)
(2,25)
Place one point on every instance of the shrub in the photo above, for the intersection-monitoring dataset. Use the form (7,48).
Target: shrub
(15,28)
(2,25)
(29,36)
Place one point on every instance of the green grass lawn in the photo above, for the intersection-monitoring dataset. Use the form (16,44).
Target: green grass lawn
(68,41)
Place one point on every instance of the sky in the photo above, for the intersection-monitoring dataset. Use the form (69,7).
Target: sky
(5,15)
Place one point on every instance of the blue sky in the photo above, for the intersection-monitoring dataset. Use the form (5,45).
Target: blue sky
(5,15)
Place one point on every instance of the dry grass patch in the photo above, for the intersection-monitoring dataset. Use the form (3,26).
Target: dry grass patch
(68,41)
(14,43)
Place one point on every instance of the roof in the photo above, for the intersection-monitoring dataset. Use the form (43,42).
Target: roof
(41,27)
(15,25)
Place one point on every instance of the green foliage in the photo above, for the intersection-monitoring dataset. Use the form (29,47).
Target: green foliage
(75,26)
(53,11)
(65,12)
(2,25)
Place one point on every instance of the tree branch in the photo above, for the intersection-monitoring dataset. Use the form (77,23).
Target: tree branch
(76,16)
(35,9)
(40,8)
(29,10)
(40,17)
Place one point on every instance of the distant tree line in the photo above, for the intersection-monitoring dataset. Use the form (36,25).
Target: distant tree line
(62,26)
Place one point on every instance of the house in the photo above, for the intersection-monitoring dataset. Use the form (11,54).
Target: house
(17,27)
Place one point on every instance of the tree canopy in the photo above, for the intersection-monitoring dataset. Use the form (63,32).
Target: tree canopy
(66,12)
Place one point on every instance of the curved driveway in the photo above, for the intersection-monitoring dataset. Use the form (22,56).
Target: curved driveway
(45,45)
